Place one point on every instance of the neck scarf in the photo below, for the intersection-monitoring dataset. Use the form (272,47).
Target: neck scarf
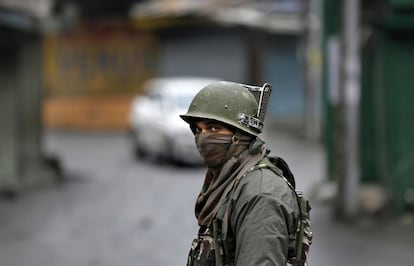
(216,149)
(219,181)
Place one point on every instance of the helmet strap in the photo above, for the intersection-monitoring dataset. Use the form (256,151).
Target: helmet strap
(256,146)
(235,140)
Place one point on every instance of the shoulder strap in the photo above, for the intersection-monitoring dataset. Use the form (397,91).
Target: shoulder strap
(280,168)
(304,234)
(282,165)
(266,162)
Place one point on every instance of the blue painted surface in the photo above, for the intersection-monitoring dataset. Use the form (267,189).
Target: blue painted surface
(284,72)
(224,55)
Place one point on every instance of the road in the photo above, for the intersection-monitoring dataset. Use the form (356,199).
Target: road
(111,210)
(114,210)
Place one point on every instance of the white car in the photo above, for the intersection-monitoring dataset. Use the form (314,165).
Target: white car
(156,129)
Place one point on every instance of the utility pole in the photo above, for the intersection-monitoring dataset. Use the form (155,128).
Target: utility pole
(312,21)
(350,88)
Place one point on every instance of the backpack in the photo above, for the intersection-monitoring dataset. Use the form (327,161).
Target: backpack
(303,233)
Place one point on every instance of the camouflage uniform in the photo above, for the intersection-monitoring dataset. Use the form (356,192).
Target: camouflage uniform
(249,214)
(256,225)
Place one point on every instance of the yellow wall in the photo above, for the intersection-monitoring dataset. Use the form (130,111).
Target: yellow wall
(95,69)
(87,112)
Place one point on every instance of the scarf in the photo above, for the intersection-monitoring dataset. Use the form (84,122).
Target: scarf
(216,149)
(218,182)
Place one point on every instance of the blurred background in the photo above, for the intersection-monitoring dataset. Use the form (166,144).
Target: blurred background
(83,183)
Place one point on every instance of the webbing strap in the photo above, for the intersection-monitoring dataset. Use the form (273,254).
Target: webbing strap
(217,243)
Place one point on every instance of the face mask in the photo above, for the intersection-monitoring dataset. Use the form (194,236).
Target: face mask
(213,148)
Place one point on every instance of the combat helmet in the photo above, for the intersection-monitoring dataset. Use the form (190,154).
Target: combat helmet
(238,105)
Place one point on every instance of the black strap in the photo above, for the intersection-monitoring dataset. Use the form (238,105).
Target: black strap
(282,165)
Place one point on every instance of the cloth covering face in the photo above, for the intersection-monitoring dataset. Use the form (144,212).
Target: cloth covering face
(213,148)
(218,182)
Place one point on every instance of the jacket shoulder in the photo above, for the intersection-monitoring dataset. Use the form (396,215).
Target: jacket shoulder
(263,181)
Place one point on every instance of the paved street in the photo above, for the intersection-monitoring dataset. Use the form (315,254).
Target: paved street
(113,210)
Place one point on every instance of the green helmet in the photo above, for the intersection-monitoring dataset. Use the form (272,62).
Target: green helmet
(228,102)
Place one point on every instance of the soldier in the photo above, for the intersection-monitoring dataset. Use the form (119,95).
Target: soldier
(247,211)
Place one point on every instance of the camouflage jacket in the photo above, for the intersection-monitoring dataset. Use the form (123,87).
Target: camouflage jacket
(256,224)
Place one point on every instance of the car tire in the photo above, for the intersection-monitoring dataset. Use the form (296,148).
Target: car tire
(138,151)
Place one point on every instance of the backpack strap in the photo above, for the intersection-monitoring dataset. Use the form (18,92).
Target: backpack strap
(279,167)
(264,163)
(303,234)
